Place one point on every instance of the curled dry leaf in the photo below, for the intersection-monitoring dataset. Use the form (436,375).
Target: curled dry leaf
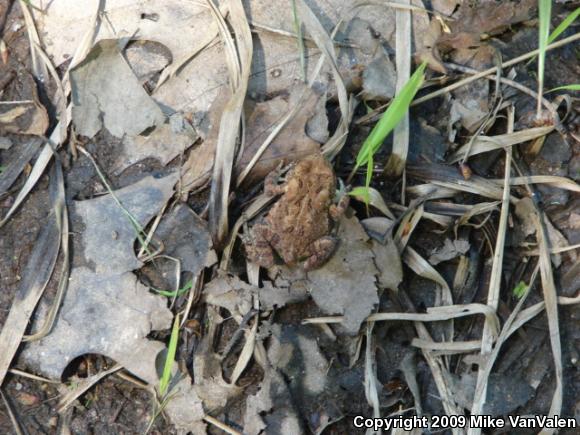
(483,144)
(106,310)
(449,250)
(106,93)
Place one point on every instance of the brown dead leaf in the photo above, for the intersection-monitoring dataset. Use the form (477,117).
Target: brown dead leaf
(476,21)
(292,142)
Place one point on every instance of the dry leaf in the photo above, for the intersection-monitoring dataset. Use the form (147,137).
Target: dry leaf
(476,22)
(106,310)
(292,142)
(106,93)
(347,282)
(449,251)
(164,143)
(168,22)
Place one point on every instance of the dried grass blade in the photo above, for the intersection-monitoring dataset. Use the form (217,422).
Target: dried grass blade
(439,219)
(409,222)
(61,212)
(16,424)
(478,186)
(56,135)
(38,67)
(434,314)
(257,204)
(82,387)
(61,101)
(371,381)
(229,128)
(34,280)
(551,301)
(560,182)
(494,283)
(529,313)
(545,12)
(326,46)
(477,209)
(220,425)
(207,39)
(11,173)
(247,351)
(488,361)
(432,191)
(287,118)
(403,38)
(422,268)
(483,144)
(449,347)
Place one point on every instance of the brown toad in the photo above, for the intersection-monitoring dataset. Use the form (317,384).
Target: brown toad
(298,225)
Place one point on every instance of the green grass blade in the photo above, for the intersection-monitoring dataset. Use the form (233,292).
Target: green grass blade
(545,10)
(361,192)
(574,87)
(520,289)
(170,358)
(174,293)
(391,117)
(564,25)
(560,29)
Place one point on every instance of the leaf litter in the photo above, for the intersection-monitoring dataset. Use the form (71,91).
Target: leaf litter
(229,108)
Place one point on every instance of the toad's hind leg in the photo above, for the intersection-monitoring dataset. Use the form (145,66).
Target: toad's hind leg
(271,186)
(320,251)
(258,247)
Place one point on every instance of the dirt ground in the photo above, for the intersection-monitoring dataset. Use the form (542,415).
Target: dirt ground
(523,379)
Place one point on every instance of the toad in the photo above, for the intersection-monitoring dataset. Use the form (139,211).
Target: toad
(298,226)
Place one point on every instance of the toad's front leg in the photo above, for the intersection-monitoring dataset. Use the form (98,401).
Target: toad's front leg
(337,210)
(320,251)
(257,245)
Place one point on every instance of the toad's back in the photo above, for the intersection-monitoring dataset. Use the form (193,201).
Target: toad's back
(301,215)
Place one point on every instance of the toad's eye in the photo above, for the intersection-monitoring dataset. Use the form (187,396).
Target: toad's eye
(322,198)
(294,185)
